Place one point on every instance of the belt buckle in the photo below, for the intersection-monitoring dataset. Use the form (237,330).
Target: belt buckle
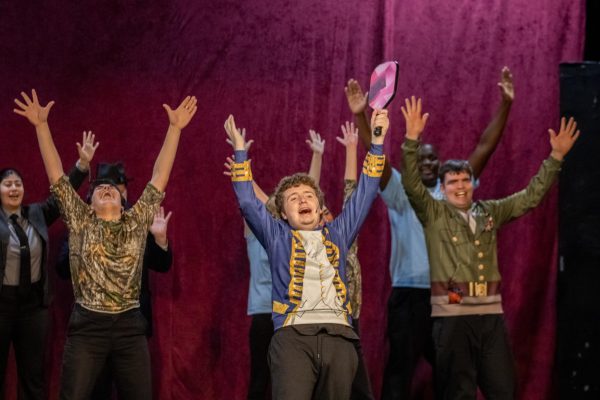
(478,289)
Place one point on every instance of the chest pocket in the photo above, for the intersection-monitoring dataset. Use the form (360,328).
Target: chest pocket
(455,249)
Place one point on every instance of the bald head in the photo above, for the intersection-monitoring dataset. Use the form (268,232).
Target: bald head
(428,164)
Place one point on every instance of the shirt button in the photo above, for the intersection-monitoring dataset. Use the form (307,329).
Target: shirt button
(480,266)
(477,243)
(480,255)
(454,239)
(481,277)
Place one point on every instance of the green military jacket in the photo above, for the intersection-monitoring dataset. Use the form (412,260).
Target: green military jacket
(464,273)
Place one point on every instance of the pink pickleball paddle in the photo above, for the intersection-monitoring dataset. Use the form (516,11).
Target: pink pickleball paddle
(383,85)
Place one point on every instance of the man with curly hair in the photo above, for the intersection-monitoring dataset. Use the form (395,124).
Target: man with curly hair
(312,354)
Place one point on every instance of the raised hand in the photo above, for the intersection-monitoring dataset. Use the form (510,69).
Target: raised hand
(229,161)
(233,133)
(87,150)
(316,144)
(159,226)
(562,141)
(415,122)
(181,116)
(247,143)
(350,133)
(506,85)
(379,118)
(32,110)
(357,100)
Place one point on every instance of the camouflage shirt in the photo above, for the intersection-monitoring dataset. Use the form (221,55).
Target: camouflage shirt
(353,275)
(106,256)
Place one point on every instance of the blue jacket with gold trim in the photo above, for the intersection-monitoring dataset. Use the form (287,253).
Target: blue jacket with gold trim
(283,245)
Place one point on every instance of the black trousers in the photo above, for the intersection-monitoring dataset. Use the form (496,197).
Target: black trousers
(261,331)
(361,386)
(305,367)
(24,322)
(409,334)
(94,339)
(472,351)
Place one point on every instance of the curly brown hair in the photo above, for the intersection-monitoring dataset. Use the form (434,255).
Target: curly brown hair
(293,181)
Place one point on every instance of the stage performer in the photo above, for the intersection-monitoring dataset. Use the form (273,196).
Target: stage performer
(311,353)
(24,286)
(106,244)
(158,257)
(409,308)
(259,292)
(361,386)
(471,343)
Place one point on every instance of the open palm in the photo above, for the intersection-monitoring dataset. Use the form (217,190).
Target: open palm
(31,109)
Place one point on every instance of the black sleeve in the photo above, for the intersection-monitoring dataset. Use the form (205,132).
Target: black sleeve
(63,268)
(155,258)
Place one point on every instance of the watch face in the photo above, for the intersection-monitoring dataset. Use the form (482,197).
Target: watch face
(384,81)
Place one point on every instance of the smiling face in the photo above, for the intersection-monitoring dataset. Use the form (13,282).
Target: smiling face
(106,201)
(11,192)
(301,207)
(458,188)
(428,164)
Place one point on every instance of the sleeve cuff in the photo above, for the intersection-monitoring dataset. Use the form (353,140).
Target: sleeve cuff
(241,156)
(376,149)
(411,143)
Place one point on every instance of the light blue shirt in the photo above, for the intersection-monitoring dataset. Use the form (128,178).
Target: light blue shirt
(409,264)
(259,294)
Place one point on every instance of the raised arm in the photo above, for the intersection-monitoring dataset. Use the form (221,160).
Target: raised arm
(317,145)
(178,119)
(158,229)
(37,115)
(563,141)
(350,142)
(358,205)
(260,194)
(255,213)
(491,135)
(519,203)
(86,149)
(417,193)
(77,175)
(158,255)
(357,102)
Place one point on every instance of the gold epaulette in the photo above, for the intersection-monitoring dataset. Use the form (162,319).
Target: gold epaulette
(241,172)
(373,165)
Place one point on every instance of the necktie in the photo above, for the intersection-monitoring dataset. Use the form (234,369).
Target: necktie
(25,272)
(470,220)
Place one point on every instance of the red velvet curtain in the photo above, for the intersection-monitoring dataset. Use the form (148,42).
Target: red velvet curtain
(280,68)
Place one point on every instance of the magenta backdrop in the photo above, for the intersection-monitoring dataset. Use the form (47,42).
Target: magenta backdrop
(280,68)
